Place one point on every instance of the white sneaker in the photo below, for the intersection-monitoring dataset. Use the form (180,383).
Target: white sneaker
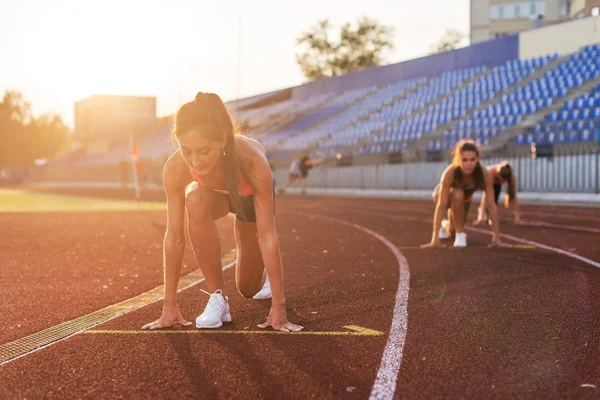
(442,233)
(265,292)
(460,240)
(216,311)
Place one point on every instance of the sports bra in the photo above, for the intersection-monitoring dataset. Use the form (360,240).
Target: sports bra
(496,179)
(245,188)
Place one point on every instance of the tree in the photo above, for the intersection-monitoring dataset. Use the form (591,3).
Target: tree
(357,48)
(452,39)
(24,138)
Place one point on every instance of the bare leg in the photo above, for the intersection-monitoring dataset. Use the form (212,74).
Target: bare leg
(203,208)
(250,271)
(458,210)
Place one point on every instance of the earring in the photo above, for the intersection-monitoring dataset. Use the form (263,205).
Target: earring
(223,148)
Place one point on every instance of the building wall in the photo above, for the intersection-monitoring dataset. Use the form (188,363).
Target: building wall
(564,38)
(577,7)
(493,18)
(480,20)
(114,117)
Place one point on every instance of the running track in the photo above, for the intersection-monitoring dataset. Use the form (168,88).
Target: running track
(477,322)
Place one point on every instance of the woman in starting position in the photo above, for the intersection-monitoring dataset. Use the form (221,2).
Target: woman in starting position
(215,172)
(502,173)
(454,193)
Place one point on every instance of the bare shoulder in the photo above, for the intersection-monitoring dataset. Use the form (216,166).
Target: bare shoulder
(250,152)
(487,174)
(448,174)
(249,146)
(253,160)
(176,173)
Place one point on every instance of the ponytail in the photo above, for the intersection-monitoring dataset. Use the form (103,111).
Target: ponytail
(208,111)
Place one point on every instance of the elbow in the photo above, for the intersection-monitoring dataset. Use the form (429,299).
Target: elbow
(173,240)
(268,242)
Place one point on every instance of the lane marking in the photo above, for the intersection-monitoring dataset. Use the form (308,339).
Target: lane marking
(560,226)
(540,245)
(504,235)
(40,340)
(387,374)
(516,246)
(353,330)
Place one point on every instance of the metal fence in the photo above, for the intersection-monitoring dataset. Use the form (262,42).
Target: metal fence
(569,173)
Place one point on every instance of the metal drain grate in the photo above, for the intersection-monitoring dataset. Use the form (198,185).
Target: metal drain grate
(10,351)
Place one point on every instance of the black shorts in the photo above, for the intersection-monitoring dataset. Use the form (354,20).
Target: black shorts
(497,190)
(249,213)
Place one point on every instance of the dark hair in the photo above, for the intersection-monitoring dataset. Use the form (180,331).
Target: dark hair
(209,112)
(462,146)
(506,172)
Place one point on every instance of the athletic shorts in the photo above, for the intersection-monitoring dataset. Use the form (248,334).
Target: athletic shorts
(497,190)
(249,211)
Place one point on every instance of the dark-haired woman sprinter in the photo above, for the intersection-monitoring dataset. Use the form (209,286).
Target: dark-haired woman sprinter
(454,193)
(215,172)
(502,173)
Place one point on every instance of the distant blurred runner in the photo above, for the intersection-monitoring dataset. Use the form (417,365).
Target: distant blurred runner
(502,173)
(454,193)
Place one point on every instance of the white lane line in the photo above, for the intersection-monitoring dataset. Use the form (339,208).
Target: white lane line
(542,246)
(541,224)
(504,235)
(387,375)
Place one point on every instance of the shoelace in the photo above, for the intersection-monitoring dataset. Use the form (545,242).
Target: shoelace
(214,300)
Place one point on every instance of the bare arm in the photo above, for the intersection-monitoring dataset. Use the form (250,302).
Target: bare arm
(173,245)
(440,208)
(515,201)
(481,211)
(174,241)
(491,206)
(269,242)
(267,235)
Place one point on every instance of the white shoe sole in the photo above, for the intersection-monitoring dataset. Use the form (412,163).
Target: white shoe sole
(264,294)
(442,234)
(224,318)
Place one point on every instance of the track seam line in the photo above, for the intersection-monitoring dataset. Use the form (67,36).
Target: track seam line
(482,231)
(384,386)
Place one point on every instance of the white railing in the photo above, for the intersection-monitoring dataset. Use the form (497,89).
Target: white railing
(574,174)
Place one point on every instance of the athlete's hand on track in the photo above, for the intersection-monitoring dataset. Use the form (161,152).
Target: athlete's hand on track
(170,317)
(278,320)
(518,221)
(435,243)
(498,243)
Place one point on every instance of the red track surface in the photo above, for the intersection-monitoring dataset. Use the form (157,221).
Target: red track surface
(509,322)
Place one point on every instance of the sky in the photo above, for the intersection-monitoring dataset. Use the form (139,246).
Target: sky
(56,52)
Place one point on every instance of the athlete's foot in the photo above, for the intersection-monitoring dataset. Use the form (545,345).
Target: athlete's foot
(443,232)
(265,292)
(215,313)
(460,240)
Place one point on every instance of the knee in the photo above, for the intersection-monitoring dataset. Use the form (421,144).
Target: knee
(458,196)
(196,209)
(248,290)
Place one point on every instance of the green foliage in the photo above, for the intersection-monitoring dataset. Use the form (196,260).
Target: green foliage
(452,39)
(358,47)
(24,138)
